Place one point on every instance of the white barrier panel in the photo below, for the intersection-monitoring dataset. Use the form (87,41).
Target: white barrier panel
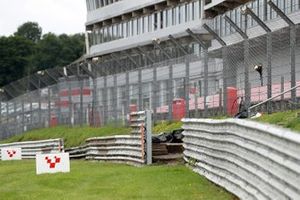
(11,153)
(52,163)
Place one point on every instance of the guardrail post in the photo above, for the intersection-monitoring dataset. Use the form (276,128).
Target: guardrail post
(148,127)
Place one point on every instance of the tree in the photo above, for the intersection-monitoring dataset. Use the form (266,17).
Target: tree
(30,30)
(15,54)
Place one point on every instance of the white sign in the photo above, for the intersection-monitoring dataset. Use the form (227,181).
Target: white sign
(12,153)
(52,163)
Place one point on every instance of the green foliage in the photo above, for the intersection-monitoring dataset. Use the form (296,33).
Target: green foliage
(26,52)
(287,119)
(30,31)
(166,126)
(72,136)
(15,54)
(92,180)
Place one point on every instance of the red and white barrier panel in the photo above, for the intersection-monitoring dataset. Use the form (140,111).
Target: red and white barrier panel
(52,163)
(11,153)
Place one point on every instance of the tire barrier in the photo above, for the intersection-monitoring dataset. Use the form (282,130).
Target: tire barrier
(249,159)
(120,148)
(31,148)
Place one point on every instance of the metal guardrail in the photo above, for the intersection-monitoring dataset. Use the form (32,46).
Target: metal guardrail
(31,148)
(251,160)
(120,148)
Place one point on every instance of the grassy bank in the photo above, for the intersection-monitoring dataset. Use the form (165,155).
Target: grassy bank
(72,136)
(93,180)
(287,119)
(77,135)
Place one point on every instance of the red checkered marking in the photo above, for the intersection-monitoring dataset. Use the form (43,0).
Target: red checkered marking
(51,163)
(11,153)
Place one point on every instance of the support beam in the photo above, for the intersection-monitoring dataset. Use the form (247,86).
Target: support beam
(196,38)
(145,54)
(161,49)
(236,28)
(174,41)
(248,11)
(132,60)
(214,34)
(86,70)
(281,13)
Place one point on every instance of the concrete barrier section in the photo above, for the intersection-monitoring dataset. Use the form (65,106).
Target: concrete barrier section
(249,159)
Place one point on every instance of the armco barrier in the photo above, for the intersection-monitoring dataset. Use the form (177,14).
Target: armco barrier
(249,159)
(31,148)
(120,148)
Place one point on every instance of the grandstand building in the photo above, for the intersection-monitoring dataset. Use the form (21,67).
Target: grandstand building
(152,52)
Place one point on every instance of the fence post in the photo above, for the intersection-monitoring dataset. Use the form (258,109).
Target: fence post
(282,96)
(205,80)
(94,101)
(293,63)
(105,103)
(115,99)
(225,72)
(154,91)
(71,117)
(127,96)
(140,88)
(269,68)
(171,94)
(40,106)
(49,107)
(246,73)
(187,88)
(196,101)
(81,101)
(23,114)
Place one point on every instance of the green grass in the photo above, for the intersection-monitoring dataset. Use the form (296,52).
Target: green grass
(72,136)
(102,181)
(76,136)
(287,119)
(166,126)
